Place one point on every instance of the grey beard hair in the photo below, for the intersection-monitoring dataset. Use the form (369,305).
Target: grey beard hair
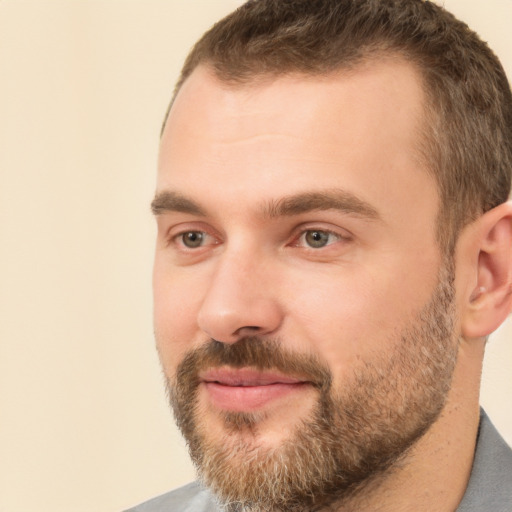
(352,439)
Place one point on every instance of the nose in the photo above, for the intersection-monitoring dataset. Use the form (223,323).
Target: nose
(240,300)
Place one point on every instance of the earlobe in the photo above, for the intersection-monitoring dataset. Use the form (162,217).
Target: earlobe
(490,300)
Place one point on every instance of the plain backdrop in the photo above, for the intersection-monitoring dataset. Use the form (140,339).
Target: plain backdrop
(84,423)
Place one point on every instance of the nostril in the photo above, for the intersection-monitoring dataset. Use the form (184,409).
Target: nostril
(250,328)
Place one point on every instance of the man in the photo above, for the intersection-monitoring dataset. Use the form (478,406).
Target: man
(334,248)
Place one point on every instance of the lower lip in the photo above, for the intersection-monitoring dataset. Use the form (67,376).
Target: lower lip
(249,398)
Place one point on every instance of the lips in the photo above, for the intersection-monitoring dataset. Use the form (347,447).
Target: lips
(247,389)
(246,377)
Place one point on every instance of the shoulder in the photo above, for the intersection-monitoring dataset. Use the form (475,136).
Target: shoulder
(192,497)
(490,484)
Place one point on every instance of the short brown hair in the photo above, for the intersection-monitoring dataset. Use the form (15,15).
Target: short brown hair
(468,130)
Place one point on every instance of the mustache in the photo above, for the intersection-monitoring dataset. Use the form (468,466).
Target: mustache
(255,352)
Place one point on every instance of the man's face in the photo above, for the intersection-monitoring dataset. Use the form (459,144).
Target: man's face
(302,310)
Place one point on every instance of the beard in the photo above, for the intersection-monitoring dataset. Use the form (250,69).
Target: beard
(353,437)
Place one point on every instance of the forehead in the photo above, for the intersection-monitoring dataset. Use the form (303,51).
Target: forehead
(357,130)
(390,77)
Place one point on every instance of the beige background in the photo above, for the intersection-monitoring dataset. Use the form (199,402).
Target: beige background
(84,424)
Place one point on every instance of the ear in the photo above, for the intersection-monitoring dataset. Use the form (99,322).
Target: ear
(489,298)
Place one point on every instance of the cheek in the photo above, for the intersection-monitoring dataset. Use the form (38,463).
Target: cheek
(337,322)
(176,300)
(353,315)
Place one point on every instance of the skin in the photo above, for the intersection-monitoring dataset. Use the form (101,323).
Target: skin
(229,157)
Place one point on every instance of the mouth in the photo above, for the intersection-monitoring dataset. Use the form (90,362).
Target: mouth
(248,390)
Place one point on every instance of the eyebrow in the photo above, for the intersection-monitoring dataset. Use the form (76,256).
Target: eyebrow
(340,200)
(175,202)
(288,206)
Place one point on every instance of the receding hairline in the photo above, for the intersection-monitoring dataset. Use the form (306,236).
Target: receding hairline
(426,116)
(373,54)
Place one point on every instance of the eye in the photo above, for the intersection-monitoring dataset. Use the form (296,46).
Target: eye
(316,238)
(189,239)
(192,239)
